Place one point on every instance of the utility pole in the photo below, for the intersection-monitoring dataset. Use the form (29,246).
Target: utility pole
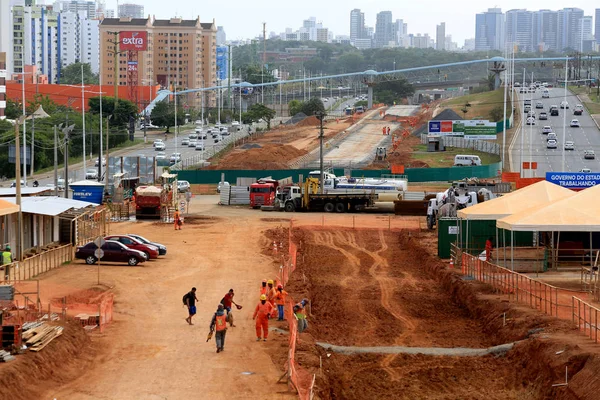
(66,158)
(320,116)
(55,160)
(18,193)
(106,172)
(264,62)
(116,68)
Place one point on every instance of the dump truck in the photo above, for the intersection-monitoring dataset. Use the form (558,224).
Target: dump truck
(147,202)
(308,198)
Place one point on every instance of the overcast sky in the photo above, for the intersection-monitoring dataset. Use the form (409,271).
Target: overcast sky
(243,19)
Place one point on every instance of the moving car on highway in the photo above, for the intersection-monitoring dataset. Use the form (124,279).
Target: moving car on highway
(530,121)
(552,144)
(551,136)
(156,142)
(569,145)
(589,155)
(543,115)
(539,104)
(578,110)
(546,129)
(564,104)
(185,141)
(160,146)
(575,123)
(91,174)
(113,252)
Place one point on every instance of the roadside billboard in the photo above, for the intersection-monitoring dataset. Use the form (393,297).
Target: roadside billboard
(574,180)
(133,40)
(469,129)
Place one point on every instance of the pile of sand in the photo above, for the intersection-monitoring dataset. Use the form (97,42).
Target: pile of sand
(269,156)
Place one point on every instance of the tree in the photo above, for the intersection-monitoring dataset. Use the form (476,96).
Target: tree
(163,114)
(393,91)
(255,74)
(71,75)
(294,107)
(313,105)
(124,111)
(13,109)
(490,82)
(46,102)
(260,111)
(496,114)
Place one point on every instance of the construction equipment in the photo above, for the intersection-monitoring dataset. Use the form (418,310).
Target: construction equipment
(148,202)
(210,335)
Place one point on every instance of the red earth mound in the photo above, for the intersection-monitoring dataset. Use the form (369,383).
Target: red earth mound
(269,156)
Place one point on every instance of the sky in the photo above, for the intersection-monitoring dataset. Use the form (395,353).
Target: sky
(242,19)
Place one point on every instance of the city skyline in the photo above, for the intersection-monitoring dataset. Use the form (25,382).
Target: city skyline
(460,22)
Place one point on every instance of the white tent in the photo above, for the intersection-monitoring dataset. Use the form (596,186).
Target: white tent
(538,195)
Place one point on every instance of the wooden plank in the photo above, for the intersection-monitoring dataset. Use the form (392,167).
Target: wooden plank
(40,347)
(40,335)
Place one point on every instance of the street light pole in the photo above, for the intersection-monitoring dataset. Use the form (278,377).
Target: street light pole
(320,116)
(565,115)
(83,120)
(18,194)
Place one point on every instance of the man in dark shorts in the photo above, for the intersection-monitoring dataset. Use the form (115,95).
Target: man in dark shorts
(227,301)
(190,300)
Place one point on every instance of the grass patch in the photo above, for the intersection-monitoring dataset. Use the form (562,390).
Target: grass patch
(481,104)
(446,158)
(589,98)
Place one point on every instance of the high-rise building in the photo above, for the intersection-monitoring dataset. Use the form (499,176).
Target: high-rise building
(322,34)
(568,28)
(440,36)
(222,62)
(585,34)
(79,39)
(309,23)
(401,33)
(89,7)
(383,29)
(420,41)
(6,45)
(519,29)
(489,30)
(597,27)
(545,30)
(3,75)
(180,54)
(222,37)
(357,25)
(131,10)
(35,40)
(469,44)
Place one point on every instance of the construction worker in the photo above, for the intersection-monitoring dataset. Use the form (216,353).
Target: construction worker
(300,312)
(264,289)
(177,222)
(388,130)
(218,324)
(489,247)
(271,292)
(280,296)
(6,256)
(262,313)
(383,130)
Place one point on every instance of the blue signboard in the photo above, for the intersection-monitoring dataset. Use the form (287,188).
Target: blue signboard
(90,193)
(574,180)
(435,126)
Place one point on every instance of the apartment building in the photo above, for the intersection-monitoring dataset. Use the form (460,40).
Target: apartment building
(79,39)
(3,76)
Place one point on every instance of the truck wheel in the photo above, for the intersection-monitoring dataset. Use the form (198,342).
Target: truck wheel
(290,207)
(329,207)
(430,222)
(340,208)
(132,261)
(90,260)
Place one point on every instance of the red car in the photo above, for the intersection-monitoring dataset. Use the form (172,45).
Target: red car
(150,251)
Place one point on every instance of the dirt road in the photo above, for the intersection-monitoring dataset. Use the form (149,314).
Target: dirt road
(150,352)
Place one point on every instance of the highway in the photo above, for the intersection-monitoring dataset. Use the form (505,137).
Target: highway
(586,137)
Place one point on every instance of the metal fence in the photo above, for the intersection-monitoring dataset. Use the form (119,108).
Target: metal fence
(473,144)
(33,266)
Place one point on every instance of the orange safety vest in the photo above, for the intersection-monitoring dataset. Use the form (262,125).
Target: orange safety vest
(271,294)
(221,322)
(280,297)
(263,310)
(176,216)
(264,290)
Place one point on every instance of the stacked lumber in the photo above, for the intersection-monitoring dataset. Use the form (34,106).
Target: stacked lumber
(38,337)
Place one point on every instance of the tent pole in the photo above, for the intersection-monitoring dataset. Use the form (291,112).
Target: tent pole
(512,250)
(497,252)
(557,249)
(504,246)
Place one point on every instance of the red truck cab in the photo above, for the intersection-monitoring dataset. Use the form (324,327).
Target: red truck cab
(262,193)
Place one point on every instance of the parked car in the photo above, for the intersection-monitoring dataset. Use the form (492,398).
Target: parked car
(551,144)
(91,174)
(589,155)
(569,145)
(149,251)
(543,116)
(539,104)
(183,186)
(160,146)
(575,123)
(546,129)
(162,249)
(564,104)
(113,252)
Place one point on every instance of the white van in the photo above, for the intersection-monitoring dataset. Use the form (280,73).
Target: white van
(546,94)
(466,160)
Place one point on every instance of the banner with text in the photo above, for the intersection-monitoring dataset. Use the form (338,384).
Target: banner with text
(469,129)
(574,180)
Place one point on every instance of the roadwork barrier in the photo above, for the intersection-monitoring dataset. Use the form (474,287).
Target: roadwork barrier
(585,316)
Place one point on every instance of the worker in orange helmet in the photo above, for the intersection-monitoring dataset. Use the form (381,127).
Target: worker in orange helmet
(271,292)
(262,314)
(177,222)
(280,296)
(264,289)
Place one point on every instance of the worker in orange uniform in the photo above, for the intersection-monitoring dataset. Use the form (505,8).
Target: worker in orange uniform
(384,130)
(219,323)
(262,314)
(264,289)
(280,296)
(177,222)
(488,249)
(271,292)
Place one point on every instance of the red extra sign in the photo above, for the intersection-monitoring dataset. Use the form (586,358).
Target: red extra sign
(133,40)
(446,127)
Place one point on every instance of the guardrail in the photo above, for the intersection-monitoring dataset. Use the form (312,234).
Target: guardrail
(33,266)
(585,316)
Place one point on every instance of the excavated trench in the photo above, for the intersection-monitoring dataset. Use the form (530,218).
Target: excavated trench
(387,320)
